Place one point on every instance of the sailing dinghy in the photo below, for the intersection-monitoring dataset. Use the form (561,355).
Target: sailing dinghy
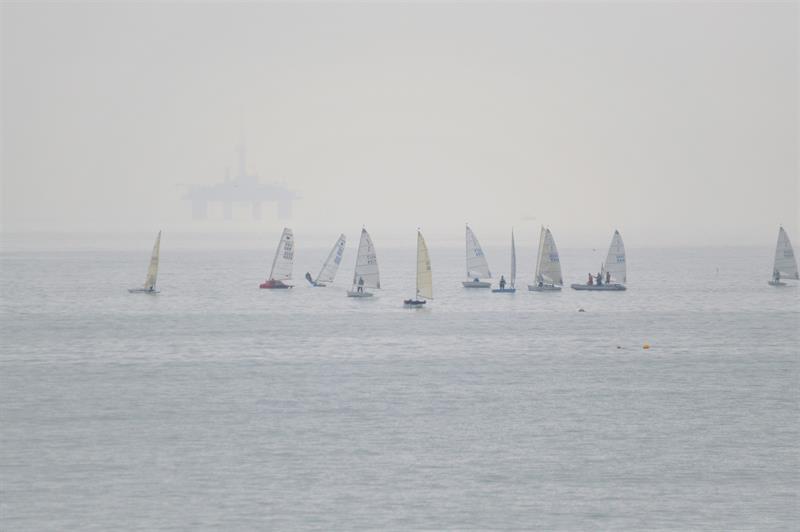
(424,275)
(510,288)
(785,266)
(282,263)
(152,271)
(366,273)
(477,266)
(612,274)
(331,265)
(548,265)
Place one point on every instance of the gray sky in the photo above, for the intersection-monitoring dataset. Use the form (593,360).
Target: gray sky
(675,122)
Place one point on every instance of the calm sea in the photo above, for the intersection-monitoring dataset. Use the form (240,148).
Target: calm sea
(218,406)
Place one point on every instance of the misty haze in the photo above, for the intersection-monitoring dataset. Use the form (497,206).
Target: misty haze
(405,266)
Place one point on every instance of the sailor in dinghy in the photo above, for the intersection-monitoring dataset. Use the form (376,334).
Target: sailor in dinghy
(548,265)
(477,265)
(510,289)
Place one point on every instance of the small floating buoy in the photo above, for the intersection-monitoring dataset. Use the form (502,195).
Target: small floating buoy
(581,310)
(619,347)
(646,346)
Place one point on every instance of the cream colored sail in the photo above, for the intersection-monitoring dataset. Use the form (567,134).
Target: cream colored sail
(513,260)
(152,270)
(284,257)
(424,275)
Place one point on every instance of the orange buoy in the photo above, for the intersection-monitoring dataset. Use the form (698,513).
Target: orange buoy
(646,346)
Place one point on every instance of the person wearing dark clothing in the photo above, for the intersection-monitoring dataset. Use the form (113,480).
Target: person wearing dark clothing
(502,283)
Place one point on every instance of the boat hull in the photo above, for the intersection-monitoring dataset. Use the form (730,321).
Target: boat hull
(544,288)
(476,284)
(776,283)
(356,293)
(142,291)
(272,284)
(504,290)
(414,302)
(600,288)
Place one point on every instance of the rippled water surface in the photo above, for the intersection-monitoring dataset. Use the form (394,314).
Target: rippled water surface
(215,405)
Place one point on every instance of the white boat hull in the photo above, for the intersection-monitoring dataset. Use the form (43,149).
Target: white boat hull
(142,291)
(356,293)
(504,290)
(776,283)
(544,288)
(613,287)
(476,284)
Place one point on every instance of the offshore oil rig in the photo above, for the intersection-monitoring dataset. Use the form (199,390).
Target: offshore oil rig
(242,188)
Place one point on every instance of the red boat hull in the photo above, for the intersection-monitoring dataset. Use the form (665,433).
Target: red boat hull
(273,284)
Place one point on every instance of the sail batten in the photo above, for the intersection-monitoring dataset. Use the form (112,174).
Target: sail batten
(424,274)
(366,263)
(284,257)
(331,264)
(785,261)
(477,265)
(152,269)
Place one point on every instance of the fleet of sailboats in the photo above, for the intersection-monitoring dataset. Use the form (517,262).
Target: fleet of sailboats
(366,274)
(477,265)
(331,265)
(424,275)
(282,263)
(785,265)
(548,265)
(548,277)
(152,271)
(510,289)
(613,272)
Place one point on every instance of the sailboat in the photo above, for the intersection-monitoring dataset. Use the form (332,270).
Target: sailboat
(612,274)
(785,266)
(424,275)
(282,263)
(366,273)
(548,265)
(152,271)
(477,266)
(510,289)
(330,266)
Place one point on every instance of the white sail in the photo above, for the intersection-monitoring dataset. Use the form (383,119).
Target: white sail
(615,261)
(513,260)
(548,263)
(424,275)
(284,257)
(477,267)
(152,270)
(366,263)
(785,262)
(331,265)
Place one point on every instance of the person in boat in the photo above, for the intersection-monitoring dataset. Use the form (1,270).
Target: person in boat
(360,284)
(476,280)
(309,279)
(608,277)
(776,276)
(599,279)
(590,282)
(502,283)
